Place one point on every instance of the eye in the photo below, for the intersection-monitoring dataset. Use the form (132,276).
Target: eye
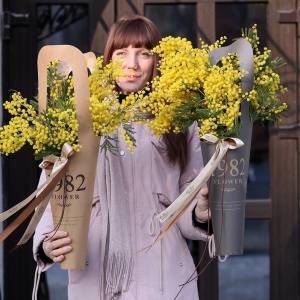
(145,54)
(120,54)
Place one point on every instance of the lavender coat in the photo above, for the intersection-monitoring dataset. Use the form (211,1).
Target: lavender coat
(151,185)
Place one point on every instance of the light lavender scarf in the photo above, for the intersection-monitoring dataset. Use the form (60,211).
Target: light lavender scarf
(115,232)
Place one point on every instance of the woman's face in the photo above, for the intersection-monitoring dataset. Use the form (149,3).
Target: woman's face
(137,64)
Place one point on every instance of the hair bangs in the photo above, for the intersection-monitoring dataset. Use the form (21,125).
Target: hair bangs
(135,34)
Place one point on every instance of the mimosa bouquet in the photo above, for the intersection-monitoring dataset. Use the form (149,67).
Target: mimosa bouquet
(224,90)
(48,131)
(63,124)
(192,88)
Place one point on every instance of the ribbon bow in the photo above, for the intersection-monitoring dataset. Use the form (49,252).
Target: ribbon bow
(173,212)
(44,192)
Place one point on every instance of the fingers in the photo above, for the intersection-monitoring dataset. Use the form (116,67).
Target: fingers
(202,203)
(202,208)
(204,192)
(57,246)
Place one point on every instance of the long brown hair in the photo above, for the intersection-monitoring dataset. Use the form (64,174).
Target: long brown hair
(139,31)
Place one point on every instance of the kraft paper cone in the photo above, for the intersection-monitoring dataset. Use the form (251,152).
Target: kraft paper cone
(77,186)
(228,183)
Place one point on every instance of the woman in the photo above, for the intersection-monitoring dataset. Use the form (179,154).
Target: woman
(146,182)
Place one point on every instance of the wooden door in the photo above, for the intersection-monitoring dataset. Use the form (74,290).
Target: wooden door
(284,157)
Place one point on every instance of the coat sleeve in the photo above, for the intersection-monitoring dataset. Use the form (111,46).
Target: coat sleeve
(194,166)
(45,225)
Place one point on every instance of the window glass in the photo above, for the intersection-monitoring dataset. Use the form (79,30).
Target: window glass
(247,276)
(174,19)
(232,17)
(60,24)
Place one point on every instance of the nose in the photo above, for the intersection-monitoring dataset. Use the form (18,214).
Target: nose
(132,62)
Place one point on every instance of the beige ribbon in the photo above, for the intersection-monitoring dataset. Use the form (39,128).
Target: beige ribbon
(58,165)
(171,214)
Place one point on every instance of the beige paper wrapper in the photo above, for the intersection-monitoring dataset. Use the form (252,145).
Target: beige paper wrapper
(77,186)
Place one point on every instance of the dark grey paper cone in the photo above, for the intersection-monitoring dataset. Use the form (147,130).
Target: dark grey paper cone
(228,183)
(227,194)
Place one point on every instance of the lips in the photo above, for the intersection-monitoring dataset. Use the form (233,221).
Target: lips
(132,77)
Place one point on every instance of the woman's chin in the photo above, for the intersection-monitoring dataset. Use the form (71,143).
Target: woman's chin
(130,87)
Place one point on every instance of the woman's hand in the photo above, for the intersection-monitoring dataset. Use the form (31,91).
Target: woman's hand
(57,246)
(202,211)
